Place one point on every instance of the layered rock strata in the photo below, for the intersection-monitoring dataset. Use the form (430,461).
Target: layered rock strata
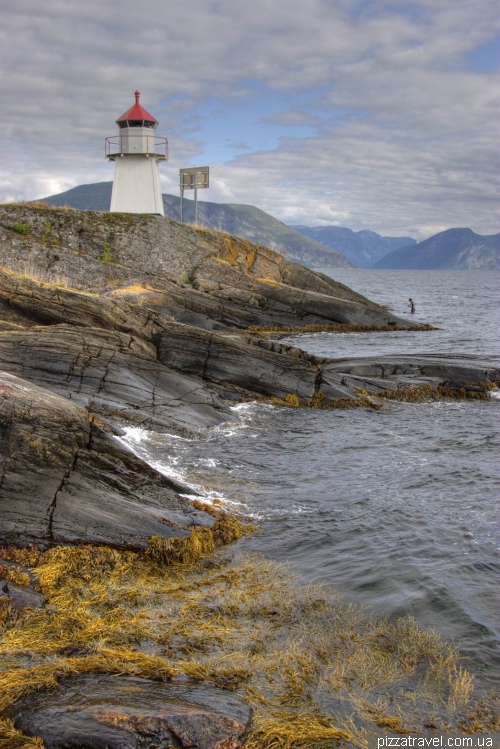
(121,339)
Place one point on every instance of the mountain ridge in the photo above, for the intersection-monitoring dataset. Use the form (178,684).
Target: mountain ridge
(362,248)
(453,249)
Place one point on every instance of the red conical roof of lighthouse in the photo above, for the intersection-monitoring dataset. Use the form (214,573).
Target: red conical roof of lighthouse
(137,112)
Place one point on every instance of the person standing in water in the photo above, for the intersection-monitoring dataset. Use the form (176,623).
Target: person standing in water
(411,305)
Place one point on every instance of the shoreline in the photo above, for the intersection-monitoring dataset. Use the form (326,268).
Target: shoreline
(126,343)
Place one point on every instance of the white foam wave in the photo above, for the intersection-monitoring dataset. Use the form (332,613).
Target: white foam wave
(139,441)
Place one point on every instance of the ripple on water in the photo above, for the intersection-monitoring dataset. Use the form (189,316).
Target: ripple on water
(397,508)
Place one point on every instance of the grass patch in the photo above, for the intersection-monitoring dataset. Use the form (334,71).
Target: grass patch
(107,254)
(38,204)
(136,288)
(32,273)
(22,228)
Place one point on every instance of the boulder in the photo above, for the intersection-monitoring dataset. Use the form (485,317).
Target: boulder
(105,712)
(21,597)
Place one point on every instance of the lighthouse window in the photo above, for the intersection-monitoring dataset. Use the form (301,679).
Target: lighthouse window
(137,123)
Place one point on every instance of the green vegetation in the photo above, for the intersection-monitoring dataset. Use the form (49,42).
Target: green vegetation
(107,254)
(48,232)
(21,228)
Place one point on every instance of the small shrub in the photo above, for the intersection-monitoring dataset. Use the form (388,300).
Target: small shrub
(21,228)
(188,280)
(107,254)
(48,231)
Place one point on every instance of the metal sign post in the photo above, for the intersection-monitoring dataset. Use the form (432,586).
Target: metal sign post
(193,178)
(196,198)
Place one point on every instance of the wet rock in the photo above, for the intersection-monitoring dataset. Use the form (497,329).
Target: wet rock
(20,596)
(457,376)
(40,435)
(102,712)
(459,368)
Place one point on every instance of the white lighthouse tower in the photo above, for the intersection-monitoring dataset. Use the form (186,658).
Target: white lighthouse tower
(136,152)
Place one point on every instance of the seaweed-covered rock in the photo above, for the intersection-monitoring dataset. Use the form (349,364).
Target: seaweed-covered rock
(20,596)
(103,712)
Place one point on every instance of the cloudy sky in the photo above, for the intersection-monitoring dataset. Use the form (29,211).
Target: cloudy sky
(362,113)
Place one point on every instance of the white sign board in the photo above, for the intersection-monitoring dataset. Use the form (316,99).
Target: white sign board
(194,177)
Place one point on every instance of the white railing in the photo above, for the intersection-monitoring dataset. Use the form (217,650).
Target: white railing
(118,145)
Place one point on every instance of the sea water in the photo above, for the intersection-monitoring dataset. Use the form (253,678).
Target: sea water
(395,509)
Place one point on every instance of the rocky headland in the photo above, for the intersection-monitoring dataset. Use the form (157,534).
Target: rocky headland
(112,320)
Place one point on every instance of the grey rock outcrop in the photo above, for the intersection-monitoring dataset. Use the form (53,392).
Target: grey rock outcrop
(230,281)
(245,221)
(129,344)
(377,374)
(65,479)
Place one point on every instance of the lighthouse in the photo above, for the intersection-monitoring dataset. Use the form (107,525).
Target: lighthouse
(136,151)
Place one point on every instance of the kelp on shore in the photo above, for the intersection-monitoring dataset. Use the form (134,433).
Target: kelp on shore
(315,669)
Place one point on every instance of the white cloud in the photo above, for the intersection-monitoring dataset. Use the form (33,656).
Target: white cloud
(406,138)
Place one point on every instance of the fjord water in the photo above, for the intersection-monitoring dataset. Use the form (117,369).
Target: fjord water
(396,509)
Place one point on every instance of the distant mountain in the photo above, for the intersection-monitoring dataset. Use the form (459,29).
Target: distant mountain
(241,220)
(454,249)
(362,248)
(94,197)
